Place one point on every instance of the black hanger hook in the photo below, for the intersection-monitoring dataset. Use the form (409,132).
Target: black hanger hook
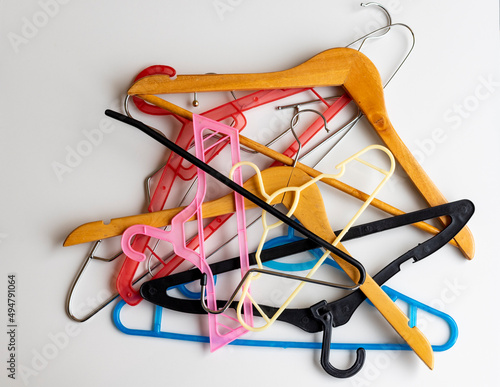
(324,316)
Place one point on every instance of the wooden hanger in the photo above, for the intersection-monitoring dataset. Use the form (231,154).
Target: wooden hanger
(335,67)
(97,230)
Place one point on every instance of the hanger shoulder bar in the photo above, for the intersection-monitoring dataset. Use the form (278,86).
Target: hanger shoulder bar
(94,231)
(428,189)
(328,68)
(368,96)
(97,230)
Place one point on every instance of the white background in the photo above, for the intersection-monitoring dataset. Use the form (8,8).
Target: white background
(58,78)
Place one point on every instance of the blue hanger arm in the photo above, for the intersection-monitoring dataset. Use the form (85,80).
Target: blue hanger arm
(157,332)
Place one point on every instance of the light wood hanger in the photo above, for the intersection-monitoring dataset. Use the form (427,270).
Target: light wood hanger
(335,67)
(94,231)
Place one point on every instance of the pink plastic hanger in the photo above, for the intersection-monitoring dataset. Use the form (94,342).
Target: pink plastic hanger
(176,235)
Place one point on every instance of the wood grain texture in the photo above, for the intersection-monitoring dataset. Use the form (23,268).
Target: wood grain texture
(335,67)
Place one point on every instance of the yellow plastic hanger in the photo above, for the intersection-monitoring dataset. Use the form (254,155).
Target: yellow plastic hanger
(335,67)
(308,218)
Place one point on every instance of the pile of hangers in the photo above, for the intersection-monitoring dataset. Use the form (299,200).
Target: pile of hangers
(287,182)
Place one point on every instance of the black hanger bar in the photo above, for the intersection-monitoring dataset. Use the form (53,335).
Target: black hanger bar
(155,291)
(327,316)
(240,190)
(342,309)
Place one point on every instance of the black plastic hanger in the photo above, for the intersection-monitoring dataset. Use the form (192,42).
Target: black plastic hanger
(323,316)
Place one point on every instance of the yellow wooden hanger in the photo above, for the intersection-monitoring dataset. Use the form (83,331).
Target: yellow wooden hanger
(97,230)
(335,67)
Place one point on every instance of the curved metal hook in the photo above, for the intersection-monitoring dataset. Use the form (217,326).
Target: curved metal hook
(387,27)
(147,182)
(278,137)
(125,105)
(324,316)
(294,121)
(127,112)
(345,129)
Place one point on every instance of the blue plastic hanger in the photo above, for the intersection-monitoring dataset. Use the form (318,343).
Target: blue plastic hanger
(413,306)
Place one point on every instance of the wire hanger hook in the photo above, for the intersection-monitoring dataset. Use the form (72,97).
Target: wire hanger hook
(383,32)
(293,122)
